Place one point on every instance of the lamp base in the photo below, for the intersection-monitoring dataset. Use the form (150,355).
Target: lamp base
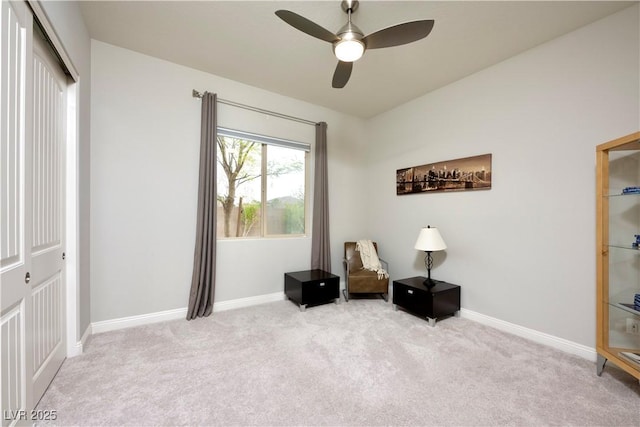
(429,282)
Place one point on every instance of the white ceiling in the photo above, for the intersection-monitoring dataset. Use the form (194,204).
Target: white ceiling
(246,42)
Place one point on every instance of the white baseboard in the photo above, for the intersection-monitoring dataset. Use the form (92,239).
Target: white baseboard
(78,348)
(533,335)
(247,302)
(139,320)
(75,350)
(179,313)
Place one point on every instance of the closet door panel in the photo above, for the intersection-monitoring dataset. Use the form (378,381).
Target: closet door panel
(15,183)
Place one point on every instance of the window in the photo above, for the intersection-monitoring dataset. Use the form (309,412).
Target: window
(261,185)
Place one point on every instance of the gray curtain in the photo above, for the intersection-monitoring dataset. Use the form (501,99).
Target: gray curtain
(204,261)
(320,246)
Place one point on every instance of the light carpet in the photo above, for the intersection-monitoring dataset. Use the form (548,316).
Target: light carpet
(357,363)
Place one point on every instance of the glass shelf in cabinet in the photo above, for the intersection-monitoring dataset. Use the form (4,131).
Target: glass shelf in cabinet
(626,307)
(615,194)
(624,326)
(629,247)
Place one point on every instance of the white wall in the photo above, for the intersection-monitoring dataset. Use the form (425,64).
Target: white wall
(67,21)
(144,166)
(524,251)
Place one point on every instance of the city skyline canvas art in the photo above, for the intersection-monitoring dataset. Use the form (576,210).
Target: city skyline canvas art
(468,173)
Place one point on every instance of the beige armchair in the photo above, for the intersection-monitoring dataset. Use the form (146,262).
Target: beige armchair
(361,281)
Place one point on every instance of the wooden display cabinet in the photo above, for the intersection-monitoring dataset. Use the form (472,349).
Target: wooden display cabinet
(618,253)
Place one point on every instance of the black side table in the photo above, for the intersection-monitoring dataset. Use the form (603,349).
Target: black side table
(443,299)
(312,287)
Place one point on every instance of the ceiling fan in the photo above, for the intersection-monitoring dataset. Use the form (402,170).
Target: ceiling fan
(349,43)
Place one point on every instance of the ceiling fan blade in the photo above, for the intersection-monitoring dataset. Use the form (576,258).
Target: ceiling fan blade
(303,24)
(342,74)
(399,34)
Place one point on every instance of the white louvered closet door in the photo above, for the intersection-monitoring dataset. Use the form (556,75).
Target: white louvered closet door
(32,131)
(47,216)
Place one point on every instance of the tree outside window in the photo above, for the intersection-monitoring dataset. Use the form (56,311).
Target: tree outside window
(261,189)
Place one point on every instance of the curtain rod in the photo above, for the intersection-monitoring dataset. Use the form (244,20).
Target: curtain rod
(197,94)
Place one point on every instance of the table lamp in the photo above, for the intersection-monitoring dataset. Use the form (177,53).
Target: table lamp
(429,240)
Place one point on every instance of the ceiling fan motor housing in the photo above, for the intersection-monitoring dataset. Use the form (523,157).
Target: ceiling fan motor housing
(350,31)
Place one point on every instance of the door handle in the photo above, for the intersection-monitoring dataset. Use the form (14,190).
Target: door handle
(64,256)
(27,278)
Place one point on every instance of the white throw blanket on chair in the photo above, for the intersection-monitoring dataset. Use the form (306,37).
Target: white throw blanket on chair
(369,256)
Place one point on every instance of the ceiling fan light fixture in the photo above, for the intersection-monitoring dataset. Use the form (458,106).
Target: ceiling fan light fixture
(348,50)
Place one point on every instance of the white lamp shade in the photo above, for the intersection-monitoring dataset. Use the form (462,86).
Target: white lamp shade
(430,240)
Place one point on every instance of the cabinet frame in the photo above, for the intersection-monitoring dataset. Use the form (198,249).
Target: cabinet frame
(605,352)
